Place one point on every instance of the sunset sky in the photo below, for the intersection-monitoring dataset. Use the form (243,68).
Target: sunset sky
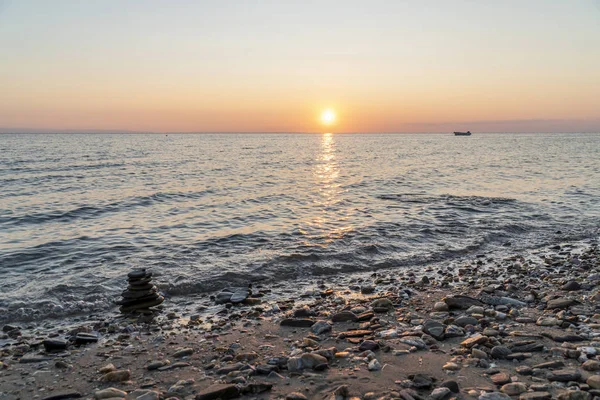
(265,66)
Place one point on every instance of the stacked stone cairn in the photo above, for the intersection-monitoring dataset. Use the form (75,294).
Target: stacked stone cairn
(140,294)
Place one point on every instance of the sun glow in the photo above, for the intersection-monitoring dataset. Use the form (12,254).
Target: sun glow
(328,117)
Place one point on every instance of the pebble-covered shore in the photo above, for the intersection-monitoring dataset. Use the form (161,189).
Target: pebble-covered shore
(523,327)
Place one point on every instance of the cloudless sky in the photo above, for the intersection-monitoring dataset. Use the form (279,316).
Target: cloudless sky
(383,66)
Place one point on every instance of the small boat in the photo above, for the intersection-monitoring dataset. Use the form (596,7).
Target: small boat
(467,133)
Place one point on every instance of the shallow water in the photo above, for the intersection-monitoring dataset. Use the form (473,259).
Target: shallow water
(205,211)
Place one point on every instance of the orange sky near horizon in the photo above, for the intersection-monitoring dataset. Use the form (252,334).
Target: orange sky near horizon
(207,67)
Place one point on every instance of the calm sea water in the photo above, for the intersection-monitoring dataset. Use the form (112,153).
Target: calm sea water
(205,211)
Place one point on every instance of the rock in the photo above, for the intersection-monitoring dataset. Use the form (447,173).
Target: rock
(367,289)
(535,396)
(461,302)
(440,393)
(564,375)
(344,316)
(117,376)
(454,331)
(157,364)
(413,341)
(434,328)
(223,297)
(295,396)
(51,345)
(494,396)
(109,393)
(374,365)
(297,322)
(239,296)
(183,353)
(85,338)
(137,274)
(107,368)
(591,365)
(450,366)
(219,391)
(466,320)
(594,381)
(567,338)
(310,360)
(560,303)
(71,394)
(514,389)
(571,286)
(149,395)
(368,345)
(441,306)
(421,381)
(294,364)
(547,321)
(575,395)
(383,304)
(476,353)
(141,306)
(474,340)
(452,385)
(501,378)
(320,327)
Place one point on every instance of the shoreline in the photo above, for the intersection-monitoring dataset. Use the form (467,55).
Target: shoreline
(245,347)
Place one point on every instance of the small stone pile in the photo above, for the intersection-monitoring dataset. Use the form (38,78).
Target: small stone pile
(141,294)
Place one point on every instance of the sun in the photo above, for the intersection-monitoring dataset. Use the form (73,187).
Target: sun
(328,117)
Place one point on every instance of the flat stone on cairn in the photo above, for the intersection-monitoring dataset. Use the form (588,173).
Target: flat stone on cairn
(140,294)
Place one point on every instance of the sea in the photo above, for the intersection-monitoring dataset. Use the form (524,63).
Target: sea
(208,211)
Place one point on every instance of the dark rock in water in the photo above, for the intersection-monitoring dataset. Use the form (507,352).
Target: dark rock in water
(139,282)
(137,273)
(128,294)
(297,322)
(223,297)
(147,304)
(85,338)
(571,286)
(144,287)
(452,385)
(139,300)
(560,303)
(9,328)
(434,328)
(564,375)
(462,302)
(219,391)
(55,345)
(239,296)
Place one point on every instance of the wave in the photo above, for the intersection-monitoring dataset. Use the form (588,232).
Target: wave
(90,212)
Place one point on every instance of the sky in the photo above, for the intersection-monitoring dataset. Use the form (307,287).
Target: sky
(275,66)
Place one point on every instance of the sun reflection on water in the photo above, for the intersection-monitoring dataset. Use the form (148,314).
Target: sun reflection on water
(330,223)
